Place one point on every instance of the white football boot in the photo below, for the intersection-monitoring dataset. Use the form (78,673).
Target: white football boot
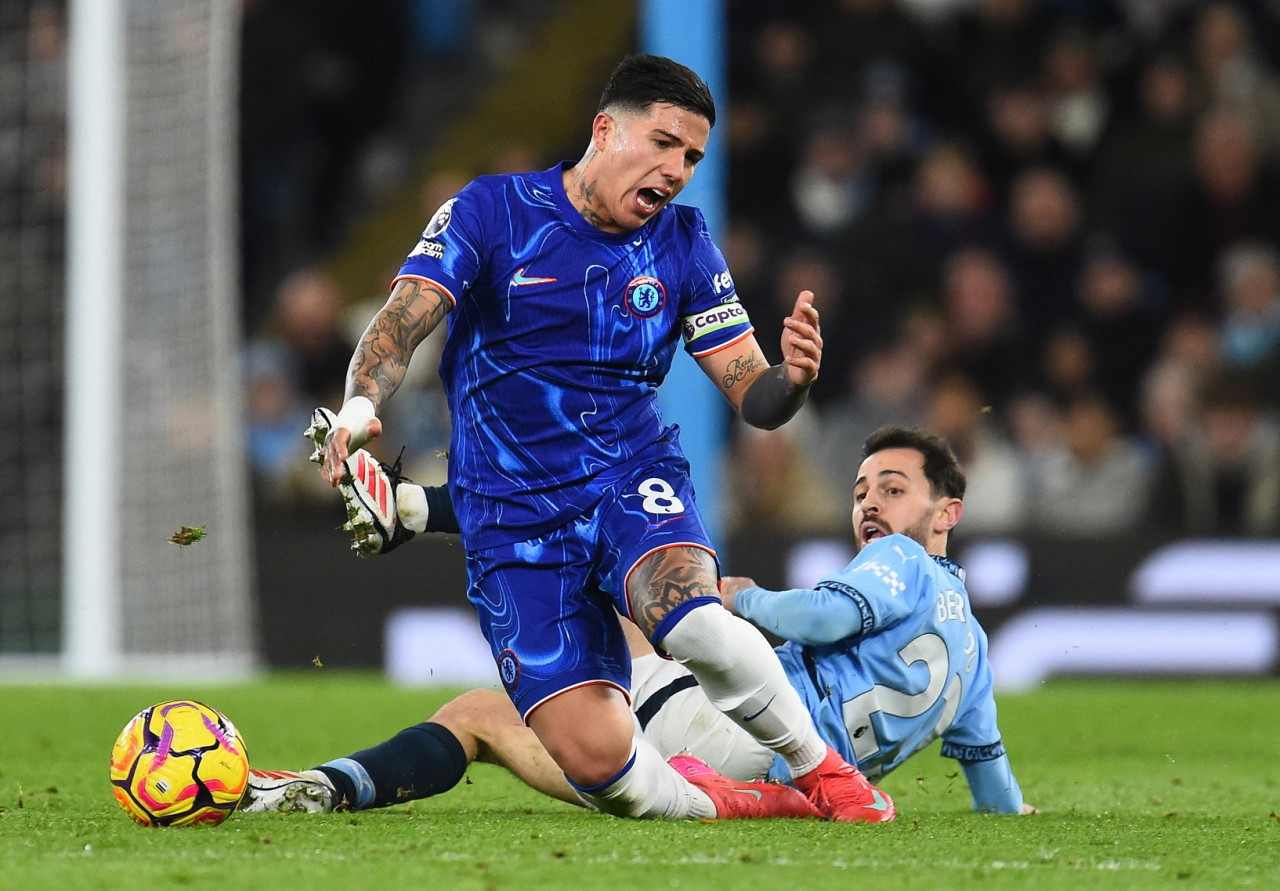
(283,791)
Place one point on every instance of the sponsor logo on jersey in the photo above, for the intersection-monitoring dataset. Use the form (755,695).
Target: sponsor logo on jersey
(723,283)
(521,279)
(428,248)
(509,669)
(645,296)
(726,315)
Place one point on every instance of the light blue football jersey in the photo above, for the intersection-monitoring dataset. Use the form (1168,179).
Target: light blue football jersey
(559,336)
(905,665)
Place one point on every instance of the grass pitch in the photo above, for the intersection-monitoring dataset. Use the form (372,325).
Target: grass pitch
(1150,784)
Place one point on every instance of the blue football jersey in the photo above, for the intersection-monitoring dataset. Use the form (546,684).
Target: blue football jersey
(558,338)
(906,664)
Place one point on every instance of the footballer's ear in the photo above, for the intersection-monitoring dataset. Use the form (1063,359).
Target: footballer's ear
(948,513)
(601,128)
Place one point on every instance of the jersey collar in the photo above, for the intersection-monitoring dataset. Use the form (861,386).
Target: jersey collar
(572,216)
(950,566)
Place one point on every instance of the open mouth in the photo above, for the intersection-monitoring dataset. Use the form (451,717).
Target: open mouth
(871,531)
(651,199)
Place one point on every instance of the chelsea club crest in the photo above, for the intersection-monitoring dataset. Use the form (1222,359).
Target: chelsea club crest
(509,669)
(645,296)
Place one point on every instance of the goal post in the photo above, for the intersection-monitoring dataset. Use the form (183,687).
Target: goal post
(153,436)
(94,291)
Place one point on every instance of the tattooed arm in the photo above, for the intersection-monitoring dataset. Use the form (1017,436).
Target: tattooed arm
(769,396)
(414,309)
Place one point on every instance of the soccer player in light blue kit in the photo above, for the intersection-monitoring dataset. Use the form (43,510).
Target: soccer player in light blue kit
(885,653)
(567,292)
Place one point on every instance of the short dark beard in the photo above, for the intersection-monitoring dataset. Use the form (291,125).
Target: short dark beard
(919,533)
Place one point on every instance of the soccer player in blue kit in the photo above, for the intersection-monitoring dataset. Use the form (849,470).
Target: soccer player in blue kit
(885,654)
(567,291)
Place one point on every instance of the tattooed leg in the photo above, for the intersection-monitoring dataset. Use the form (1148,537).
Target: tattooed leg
(733,663)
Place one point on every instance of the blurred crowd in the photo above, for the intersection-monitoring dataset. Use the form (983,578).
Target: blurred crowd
(1044,229)
(1048,230)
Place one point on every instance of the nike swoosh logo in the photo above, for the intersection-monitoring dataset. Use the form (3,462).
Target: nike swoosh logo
(753,792)
(521,279)
(761,712)
(880,804)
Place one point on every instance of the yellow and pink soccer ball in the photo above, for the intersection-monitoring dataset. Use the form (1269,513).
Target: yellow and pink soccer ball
(179,763)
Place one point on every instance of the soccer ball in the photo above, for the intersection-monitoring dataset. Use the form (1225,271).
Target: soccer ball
(179,763)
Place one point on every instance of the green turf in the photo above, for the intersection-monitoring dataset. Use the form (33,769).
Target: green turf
(1142,784)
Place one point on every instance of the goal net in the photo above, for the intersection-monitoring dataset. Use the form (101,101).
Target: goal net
(133,327)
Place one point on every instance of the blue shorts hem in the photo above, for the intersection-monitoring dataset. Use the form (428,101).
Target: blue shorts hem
(528,699)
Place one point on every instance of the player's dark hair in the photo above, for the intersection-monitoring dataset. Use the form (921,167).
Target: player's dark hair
(941,468)
(640,81)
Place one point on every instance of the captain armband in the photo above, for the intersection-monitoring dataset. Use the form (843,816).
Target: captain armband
(772,399)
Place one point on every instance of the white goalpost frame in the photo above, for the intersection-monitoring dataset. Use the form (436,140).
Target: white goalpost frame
(95,281)
(130,609)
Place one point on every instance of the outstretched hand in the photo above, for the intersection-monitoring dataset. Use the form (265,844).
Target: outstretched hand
(730,585)
(802,341)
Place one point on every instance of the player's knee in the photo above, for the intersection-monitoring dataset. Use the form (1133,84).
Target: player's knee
(591,748)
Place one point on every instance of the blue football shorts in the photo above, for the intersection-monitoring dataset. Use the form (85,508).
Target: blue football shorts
(548,606)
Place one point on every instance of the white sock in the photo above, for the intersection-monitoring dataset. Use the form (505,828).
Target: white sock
(411,507)
(651,788)
(741,675)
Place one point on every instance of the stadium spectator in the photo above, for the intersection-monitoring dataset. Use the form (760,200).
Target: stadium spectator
(1249,333)
(891,133)
(1120,315)
(318,81)
(778,464)
(780,70)
(1170,398)
(1171,387)
(1222,475)
(1035,425)
(985,336)
(274,409)
(1232,73)
(1017,135)
(832,185)
(1149,153)
(1233,196)
(990,46)
(761,156)
(888,388)
(854,35)
(1046,237)
(307,320)
(1087,487)
(1068,365)
(846,641)
(1079,104)
(998,497)
(901,249)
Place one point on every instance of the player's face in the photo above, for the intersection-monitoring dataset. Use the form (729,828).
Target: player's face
(891,495)
(645,159)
